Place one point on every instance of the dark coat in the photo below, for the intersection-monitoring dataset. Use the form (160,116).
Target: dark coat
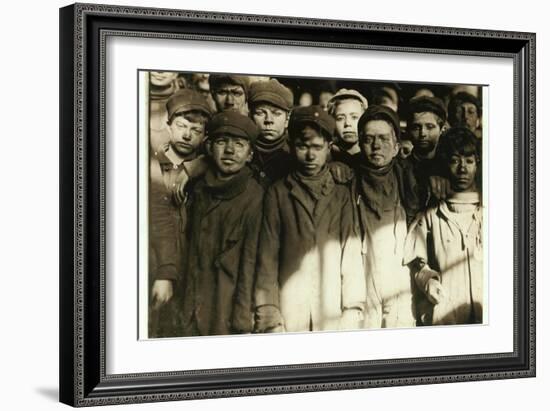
(309,263)
(273,165)
(167,220)
(222,240)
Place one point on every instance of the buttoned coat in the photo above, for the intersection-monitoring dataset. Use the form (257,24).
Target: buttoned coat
(309,264)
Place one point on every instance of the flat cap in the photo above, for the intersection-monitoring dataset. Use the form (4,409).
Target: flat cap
(343,94)
(380,113)
(234,124)
(271,92)
(313,116)
(187,100)
(425,104)
(217,80)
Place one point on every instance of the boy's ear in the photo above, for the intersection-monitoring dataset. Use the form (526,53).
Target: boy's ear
(208,146)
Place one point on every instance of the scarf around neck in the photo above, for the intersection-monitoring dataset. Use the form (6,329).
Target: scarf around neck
(266,146)
(226,189)
(380,187)
(316,185)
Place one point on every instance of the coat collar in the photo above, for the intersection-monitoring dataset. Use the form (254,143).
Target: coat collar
(299,194)
(226,190)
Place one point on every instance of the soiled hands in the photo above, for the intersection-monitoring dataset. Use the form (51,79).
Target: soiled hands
(162,292)
(435,291)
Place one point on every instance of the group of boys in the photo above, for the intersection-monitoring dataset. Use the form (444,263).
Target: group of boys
(265,217)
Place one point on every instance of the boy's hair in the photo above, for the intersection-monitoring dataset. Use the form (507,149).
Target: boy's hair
(458,140)
(194,116)
(424,104)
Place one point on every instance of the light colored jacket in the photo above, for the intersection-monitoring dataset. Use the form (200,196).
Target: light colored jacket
(309,264)
(437,240)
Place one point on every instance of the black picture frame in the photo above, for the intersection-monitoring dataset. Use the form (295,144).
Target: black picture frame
(83,29)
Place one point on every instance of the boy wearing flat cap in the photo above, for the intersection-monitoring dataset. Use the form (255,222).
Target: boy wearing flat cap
(310,275)
(465,111)
(425,121)
(270,105)
(172,164)
(346,107)
(225,208)
(162,86)
(386,202)
(230,92)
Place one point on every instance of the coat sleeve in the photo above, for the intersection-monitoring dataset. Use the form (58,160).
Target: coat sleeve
(352,271)
(267,279)
(242,320)
(163,230)
(417,246)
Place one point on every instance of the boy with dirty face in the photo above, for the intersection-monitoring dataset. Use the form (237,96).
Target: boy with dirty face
(310,273)
(444,246)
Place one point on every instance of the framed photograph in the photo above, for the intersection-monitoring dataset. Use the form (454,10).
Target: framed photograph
(261,204)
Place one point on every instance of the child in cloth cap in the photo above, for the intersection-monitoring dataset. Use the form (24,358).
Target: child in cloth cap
(230,92)
(310,275)
(162,86)
(386,202)
(225,208)
(444,245)
(425,123)
(172,164)
(270,106)
(347,106)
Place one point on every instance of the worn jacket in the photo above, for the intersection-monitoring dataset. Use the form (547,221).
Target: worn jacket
(436,242)
(167,217)
(222,240)
(309,264)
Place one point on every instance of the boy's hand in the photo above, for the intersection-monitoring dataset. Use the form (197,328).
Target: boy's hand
(341,173)
(179,193)
(268,319)
(435,291)
(440,187)
(162,292)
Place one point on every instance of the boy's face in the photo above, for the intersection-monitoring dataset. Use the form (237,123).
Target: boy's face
(186,136)
(347,114)
(230,97)
(271,120)
(462,172)
(424,132)
(378,143)
(230,154)
(466,114)
(311,151)
(162,78)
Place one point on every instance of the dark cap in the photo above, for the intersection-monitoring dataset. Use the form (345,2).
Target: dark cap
(379,113)
(313,116)
(218,80)
(187,100)
(234,124)
(425,104)
(271,92)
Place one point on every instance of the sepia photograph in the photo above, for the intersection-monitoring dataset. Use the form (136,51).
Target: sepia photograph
(278,204)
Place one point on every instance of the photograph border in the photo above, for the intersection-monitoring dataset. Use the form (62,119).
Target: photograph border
(84,29)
